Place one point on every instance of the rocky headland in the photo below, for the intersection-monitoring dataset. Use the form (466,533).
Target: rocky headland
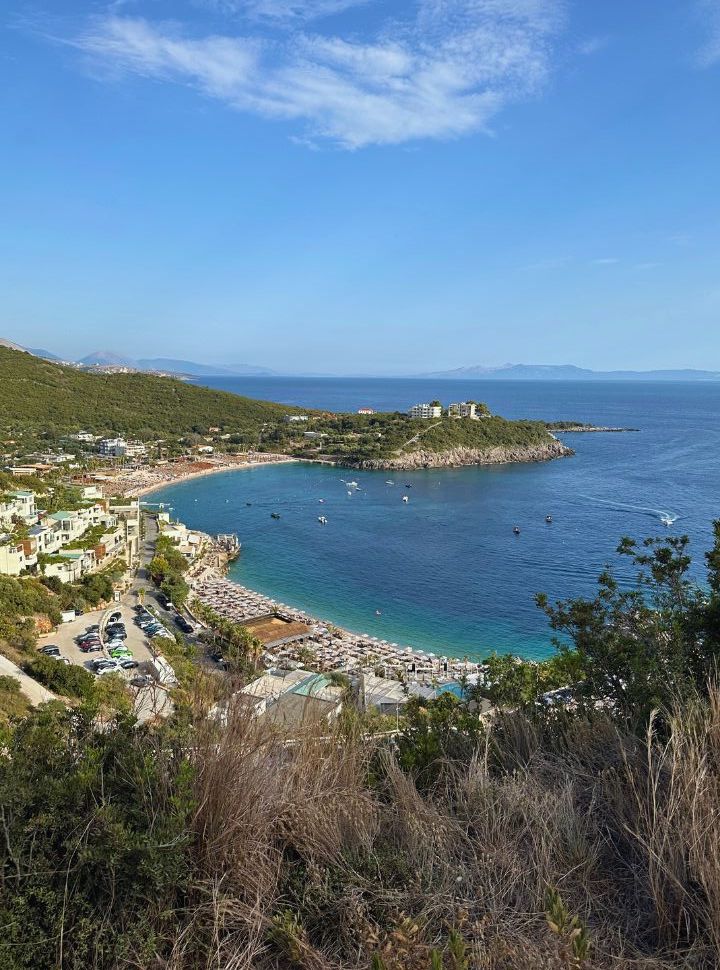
(458,457)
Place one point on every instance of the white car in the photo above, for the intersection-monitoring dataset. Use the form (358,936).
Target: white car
(108,670)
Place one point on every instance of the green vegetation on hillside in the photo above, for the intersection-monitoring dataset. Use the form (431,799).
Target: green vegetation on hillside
(40,394)
(355,438)
(43,401)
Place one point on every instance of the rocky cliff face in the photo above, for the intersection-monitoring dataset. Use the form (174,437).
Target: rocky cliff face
(457,457)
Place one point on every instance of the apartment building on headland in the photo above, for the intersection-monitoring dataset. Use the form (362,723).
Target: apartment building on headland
(425,411)
(459,409)
(67,543)
(462,409)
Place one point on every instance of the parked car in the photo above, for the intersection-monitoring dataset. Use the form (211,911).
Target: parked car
(99,665)
(129,664)
(50,650)
(62,660)
(121,655)
(114,617)
(87,641)
(108,670)
(94,628)
(91,647)
(116,645)
(183,624)
(117,634)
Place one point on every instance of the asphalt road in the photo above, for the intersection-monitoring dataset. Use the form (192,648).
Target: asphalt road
(35,693)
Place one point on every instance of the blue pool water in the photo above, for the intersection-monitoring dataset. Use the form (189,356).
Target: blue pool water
(445,570)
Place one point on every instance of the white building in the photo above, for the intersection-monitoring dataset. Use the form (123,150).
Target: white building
(463,409)
(366,411)
(20,505)
(295,418)
(425,411)
(120,448)
(14,558)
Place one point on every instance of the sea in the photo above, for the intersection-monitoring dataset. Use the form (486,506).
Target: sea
(444,571)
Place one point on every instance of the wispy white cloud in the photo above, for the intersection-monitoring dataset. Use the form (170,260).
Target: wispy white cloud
(283,10)
(709,12)
(445,73)
(592,45)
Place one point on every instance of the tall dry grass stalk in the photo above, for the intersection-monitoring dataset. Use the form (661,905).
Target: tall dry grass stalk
(325,855)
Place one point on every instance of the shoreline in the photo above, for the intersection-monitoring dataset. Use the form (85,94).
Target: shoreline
(331,647)
(140,492)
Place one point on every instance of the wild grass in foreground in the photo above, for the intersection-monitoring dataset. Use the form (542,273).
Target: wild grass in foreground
(555,844)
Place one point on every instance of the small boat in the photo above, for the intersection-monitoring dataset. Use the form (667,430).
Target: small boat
(321,501)
(322,520)
(389,483)
(405,498)
(248,503)
(408,485)
(666,520)
(548,519)
(516,530)
(274,515)
(378,612)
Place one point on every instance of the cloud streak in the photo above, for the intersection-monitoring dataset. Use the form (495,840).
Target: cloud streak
(709,53)
(445,73)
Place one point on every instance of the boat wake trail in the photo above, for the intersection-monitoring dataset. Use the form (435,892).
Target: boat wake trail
(667,518)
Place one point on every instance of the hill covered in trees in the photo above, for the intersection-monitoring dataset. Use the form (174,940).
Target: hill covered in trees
(36,393)
(42,398)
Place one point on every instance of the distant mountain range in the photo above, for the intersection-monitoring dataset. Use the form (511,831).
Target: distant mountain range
(568,372)
(107,358)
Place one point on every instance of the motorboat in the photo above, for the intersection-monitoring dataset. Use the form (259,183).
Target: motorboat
(322,520)
(548,519)
(516,530)
(405,498)
(274,515)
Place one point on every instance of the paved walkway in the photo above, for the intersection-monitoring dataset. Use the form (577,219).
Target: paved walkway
(35,693)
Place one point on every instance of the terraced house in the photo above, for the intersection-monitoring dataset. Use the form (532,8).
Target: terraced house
(68,543)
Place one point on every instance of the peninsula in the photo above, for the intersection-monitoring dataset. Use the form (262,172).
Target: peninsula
(56,407)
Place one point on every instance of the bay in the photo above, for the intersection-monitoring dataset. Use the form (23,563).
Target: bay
(445,570)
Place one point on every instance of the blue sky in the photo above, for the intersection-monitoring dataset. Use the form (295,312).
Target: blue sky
(342,186)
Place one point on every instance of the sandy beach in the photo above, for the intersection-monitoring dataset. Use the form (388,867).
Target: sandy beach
(326,646)
(139,482)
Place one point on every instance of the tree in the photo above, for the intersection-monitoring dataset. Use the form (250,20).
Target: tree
(436,731)
(648,647)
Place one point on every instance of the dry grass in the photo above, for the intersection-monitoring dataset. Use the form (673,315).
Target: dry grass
(326,856)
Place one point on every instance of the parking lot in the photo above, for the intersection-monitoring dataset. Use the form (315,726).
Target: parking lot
(149,701)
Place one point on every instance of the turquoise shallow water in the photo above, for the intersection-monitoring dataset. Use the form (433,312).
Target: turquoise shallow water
(445,570)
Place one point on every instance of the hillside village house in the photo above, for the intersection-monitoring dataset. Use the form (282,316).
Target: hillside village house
(18,505)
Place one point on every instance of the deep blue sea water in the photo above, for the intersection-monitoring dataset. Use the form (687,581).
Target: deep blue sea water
(445,570)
